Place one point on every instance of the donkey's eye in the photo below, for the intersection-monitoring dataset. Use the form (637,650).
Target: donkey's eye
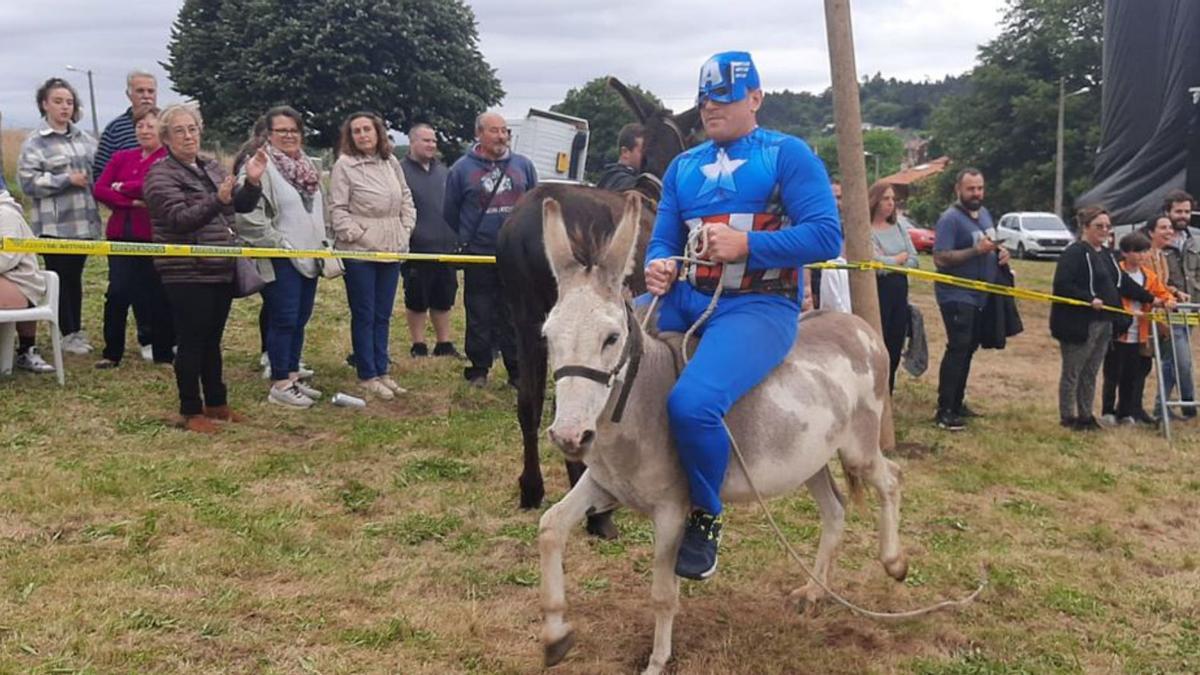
(611,339)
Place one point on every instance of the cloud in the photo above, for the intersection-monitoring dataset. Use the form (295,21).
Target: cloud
(540,49)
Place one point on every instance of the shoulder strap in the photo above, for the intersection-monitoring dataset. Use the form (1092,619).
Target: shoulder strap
(503,166)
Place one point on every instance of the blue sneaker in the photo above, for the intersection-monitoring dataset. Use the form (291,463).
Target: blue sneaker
(698,553)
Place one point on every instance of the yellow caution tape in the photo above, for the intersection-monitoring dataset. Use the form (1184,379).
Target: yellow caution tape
(1000,289)
(105,248)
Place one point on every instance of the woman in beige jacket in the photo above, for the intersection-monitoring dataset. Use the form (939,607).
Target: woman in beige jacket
(371,209)
(21,283)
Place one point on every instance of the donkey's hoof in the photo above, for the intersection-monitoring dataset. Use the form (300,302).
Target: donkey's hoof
(897,568)
(601,525)
(805,600)
(532,495)
(556,651)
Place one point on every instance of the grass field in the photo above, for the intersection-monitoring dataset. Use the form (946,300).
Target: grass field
(388,539)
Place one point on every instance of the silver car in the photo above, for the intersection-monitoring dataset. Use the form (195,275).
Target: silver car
(1028,234)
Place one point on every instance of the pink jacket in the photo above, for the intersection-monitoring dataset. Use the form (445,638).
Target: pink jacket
(128,222)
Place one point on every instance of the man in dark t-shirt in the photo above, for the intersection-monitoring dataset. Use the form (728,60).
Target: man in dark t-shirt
(964,246)
(429,287)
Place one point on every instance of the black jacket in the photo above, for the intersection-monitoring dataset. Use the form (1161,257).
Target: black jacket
(1083,273)
(617,177)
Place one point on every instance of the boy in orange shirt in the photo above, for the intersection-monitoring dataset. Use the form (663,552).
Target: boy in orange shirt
(1128,360)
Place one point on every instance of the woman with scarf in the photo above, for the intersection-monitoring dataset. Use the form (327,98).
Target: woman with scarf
(290,214)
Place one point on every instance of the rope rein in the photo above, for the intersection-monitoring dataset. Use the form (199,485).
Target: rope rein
(697,244)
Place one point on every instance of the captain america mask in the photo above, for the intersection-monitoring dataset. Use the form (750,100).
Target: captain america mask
(727,77)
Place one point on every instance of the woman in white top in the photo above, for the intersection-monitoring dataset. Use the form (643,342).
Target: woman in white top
(290,214)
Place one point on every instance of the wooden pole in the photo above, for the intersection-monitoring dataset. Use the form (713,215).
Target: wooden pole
(856,220)
(1058,153)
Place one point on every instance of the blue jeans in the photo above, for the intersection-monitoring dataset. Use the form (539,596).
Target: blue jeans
(289,302)
(745,338)
(1178,354)
(371,292)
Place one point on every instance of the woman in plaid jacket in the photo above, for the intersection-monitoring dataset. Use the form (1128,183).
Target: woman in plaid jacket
(54,169)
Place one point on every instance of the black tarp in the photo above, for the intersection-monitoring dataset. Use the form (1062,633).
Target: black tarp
(1151,59)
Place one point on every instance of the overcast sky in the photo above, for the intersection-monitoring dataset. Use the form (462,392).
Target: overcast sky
(540,48)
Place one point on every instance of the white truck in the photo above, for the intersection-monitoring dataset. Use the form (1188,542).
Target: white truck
(556,143)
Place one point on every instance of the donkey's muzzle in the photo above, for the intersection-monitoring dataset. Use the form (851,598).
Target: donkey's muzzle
(573,443)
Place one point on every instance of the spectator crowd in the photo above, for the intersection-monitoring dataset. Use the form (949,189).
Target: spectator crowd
(147,168)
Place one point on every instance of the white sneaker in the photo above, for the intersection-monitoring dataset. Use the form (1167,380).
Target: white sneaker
(376,388)
(147,353)
(308,391)
(304,372)
(74,344)
(265,362)
(388,382)
(1108,420)
(33,362)
(289,397)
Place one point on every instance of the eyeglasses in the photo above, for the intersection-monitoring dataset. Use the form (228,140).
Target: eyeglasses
(286,132)
(186,131)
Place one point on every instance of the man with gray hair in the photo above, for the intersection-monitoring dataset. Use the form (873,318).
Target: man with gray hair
(142,90)
(482,188)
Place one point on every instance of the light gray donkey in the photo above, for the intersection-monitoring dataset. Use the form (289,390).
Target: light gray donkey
(824,400)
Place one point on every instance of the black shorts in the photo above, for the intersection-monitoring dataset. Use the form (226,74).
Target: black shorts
(429,286)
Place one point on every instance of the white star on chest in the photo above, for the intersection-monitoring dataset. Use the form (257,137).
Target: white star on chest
(719,174)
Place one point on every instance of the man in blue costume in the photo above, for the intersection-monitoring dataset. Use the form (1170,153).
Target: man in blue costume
(764,200)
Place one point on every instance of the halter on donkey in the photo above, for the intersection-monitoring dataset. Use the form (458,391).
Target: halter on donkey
(825,400)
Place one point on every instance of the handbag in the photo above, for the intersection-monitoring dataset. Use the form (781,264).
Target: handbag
(331,268)
(246,279)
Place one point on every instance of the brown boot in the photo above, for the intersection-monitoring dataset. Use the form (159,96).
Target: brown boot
(199,424)
(223,413)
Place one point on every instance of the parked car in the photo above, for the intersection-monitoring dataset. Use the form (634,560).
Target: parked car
(1033,234)
(922,238)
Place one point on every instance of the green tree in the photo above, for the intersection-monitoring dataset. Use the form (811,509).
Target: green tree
(606,113)
(410,60)
(882,143)
(1006,123)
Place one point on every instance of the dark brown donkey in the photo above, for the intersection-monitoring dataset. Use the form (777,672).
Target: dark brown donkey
(529,284)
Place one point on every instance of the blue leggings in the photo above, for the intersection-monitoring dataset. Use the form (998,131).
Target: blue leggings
(745,338)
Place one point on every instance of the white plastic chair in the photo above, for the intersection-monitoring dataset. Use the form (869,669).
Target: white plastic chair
(46,311)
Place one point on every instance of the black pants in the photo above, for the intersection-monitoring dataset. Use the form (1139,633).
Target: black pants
(132,282)
(200,311)
(964,323)
(69,269)
(1125,371)
(894,317)
(263,321)
(489,326)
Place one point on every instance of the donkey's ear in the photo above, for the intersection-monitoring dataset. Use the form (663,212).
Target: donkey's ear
(636,103)
(618,257)
(554,234)
(688,122)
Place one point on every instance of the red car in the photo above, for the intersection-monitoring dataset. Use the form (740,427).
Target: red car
(922,238)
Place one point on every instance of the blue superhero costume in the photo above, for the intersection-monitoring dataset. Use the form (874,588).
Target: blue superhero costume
(744,183)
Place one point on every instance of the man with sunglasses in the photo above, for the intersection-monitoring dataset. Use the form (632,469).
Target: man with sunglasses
(763,201)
